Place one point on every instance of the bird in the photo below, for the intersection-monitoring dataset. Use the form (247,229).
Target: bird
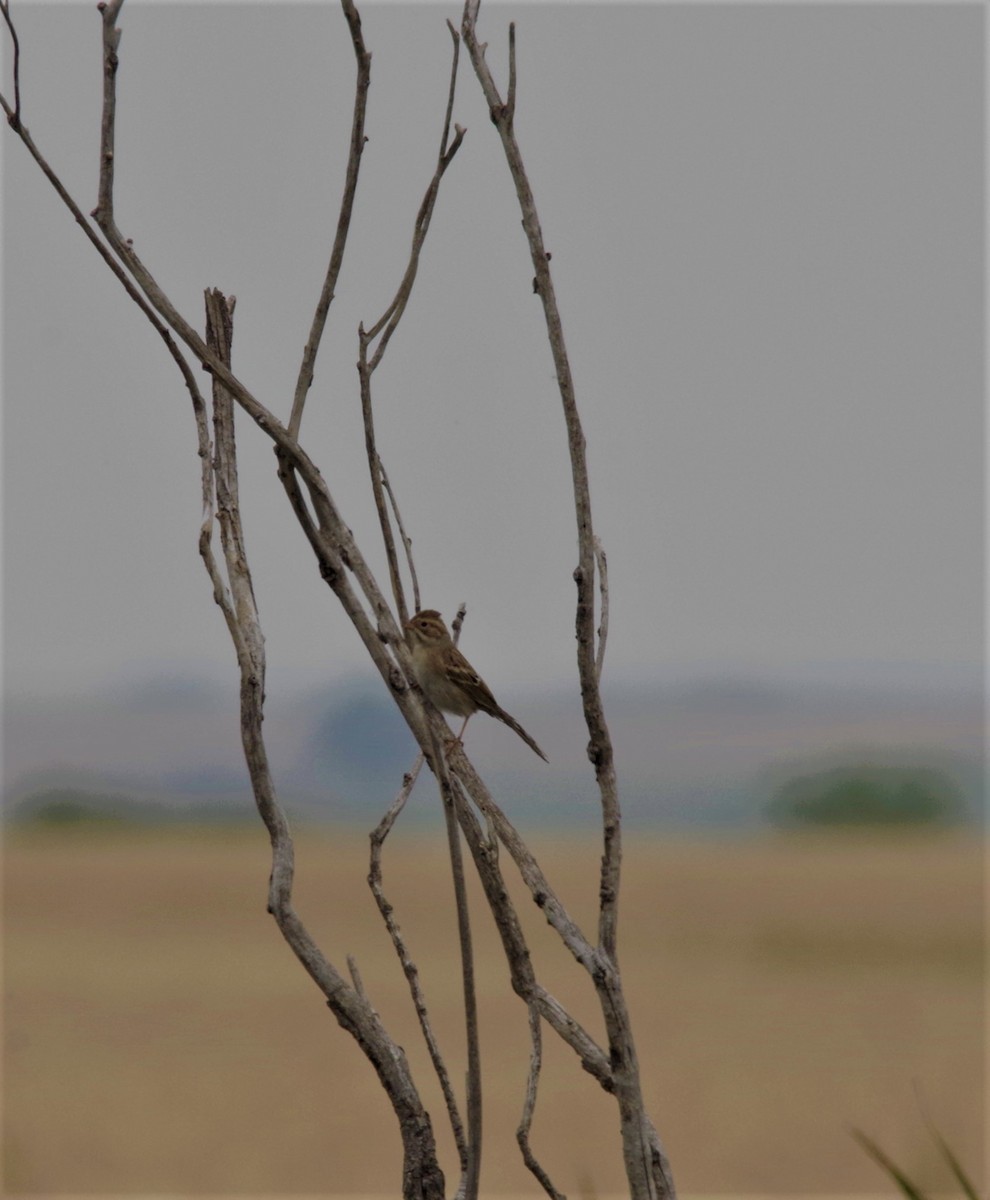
(448,679)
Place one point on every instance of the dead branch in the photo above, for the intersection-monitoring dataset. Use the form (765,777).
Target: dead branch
(383,330)
(406,539)
(529,1107)
(422,1176)
(375,471)
(386,325)
(600,745)
(409,968)
(646,1168)
(472,1173)
(13,116)
(339,551)
(522,974)
(358,139)
(14,120)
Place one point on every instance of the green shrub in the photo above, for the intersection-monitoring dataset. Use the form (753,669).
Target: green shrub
(868,795)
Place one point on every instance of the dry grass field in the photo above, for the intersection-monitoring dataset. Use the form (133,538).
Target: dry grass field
(160,1038)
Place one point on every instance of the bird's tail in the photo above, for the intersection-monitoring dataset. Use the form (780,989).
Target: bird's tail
(514,725)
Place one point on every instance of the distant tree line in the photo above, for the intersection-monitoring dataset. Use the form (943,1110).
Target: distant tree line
(868,795)
(68,807)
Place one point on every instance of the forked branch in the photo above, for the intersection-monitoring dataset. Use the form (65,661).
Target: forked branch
(369,359)
(422,1175)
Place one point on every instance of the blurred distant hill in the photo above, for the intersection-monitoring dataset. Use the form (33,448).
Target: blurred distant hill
(705,754)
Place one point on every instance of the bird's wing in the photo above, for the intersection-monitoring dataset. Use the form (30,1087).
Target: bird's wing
(465,676)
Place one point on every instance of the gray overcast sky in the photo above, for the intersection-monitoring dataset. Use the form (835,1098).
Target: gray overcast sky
(767,234)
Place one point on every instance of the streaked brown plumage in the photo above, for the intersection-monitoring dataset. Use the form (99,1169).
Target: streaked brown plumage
(448,679)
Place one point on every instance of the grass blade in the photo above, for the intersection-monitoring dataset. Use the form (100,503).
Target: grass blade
(954,1165)
(881,1159)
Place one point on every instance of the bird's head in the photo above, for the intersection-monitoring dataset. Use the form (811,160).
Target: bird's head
(426,629)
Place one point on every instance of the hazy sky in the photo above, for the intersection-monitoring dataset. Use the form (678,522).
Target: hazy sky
(767,233)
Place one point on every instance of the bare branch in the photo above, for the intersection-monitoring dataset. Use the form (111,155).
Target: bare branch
(220,330)
(458,622)
(450,94)
(529,1107)
(647,1170)
(15,116)
(111,40)
(103,251)
(355,974)
(600,744)
(385,326)
(543,894)
(409,968)
(376,472)
(221,593)
(387,322)
(340,551)
(406,539)
(422,1175)
(336,555)
(485,853)
(358,140)
(522,974)
(472,1173)
(510,102)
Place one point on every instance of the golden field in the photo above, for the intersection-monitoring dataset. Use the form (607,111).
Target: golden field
(160,1037)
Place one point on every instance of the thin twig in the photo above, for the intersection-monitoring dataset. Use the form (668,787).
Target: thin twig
(529,1106)
(450,91)
(384,327)
(376,472)
(15,116)
(510,100)
(221,593)
(220,330)
(101,248)
(387,322)
(344,552)
(458,621)
(355,974)
(409,968)
(448,795)
(358,139)
(406,539)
